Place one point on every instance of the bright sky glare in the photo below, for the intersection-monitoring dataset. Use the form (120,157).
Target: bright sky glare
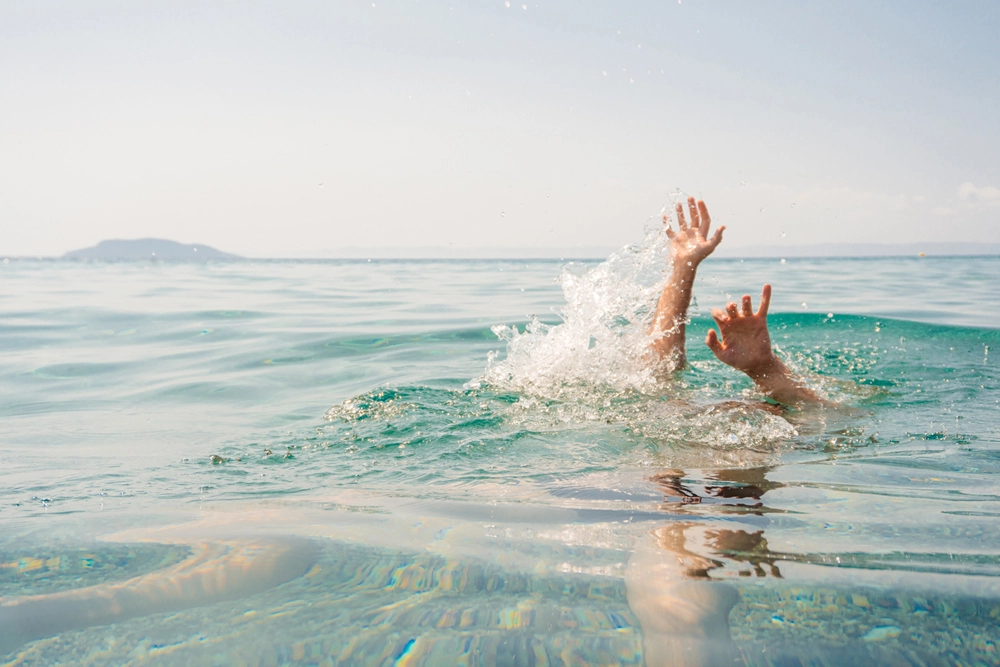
(302,128)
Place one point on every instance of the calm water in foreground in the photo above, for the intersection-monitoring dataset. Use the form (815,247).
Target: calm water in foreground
(323,463)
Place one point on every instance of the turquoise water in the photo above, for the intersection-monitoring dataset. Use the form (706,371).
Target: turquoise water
(477,496)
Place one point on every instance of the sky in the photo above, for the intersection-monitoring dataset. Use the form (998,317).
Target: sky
(304,129)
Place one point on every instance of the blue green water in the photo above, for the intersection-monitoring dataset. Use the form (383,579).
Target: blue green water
(477,499)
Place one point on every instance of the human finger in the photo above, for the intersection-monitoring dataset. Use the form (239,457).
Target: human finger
(747,305)
(706,220)
(681,224)
(731,310)
(765,301)
(693,212)
(719,316)
(666,227)
(712,341)
(717,236)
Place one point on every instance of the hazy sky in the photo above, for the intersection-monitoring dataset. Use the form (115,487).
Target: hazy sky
(297,128)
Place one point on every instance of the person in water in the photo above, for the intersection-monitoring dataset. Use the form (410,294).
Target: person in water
(684,613)
(743,341)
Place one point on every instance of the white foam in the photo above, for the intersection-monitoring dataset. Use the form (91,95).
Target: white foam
(603,340)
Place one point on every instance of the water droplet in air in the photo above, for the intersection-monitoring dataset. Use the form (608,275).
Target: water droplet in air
(501,214)
(743,184)
(793,203)
(762,208)
(321,184)
(782,233)
(507,3)
(829,314)
(782,260)
(631,80)
(604,73)
(805,305)
(546,195)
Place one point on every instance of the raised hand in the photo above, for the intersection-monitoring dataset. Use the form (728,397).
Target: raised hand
(690,243)
(746,343)
(746,346)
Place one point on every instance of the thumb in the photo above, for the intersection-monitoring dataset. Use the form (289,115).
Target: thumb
(712,341)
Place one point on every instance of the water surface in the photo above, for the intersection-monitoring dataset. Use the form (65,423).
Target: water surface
(478,503)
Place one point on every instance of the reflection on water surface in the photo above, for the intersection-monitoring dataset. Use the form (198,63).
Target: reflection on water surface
(481,522)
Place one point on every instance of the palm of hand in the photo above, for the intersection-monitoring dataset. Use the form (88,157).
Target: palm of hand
(690,243)
(688,246)
(746,343)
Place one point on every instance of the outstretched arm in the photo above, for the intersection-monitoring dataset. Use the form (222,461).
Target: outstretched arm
(746,346)
(689,245)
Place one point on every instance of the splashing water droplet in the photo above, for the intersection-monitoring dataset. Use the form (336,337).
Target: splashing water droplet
(524,7)
(506,3)
(782,260)
(782,233)
(829,314)
(805,305)
(501,214)
(602,343)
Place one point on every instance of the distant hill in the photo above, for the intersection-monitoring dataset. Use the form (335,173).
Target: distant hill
(155,249)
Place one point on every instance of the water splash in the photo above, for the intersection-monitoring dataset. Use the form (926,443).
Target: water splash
(602,343)
(595,368)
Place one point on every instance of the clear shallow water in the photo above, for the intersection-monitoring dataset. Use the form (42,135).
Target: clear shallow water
(490,515)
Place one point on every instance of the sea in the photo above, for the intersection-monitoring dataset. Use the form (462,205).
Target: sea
(420,462)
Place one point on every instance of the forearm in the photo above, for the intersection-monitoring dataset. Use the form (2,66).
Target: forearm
(775,380)
(670,320)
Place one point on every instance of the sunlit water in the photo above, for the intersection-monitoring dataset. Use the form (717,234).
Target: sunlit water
(475,491)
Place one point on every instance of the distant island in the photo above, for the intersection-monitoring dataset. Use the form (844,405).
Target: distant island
(153,249)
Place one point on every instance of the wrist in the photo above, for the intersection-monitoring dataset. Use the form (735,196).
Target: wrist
(683,271)
(769,371)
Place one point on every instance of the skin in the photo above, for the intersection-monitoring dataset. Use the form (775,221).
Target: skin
(216,571)
(690,244)
(744,343)
(683,613)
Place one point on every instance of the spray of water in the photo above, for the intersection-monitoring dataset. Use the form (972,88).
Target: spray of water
(603,341)
(595,365)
